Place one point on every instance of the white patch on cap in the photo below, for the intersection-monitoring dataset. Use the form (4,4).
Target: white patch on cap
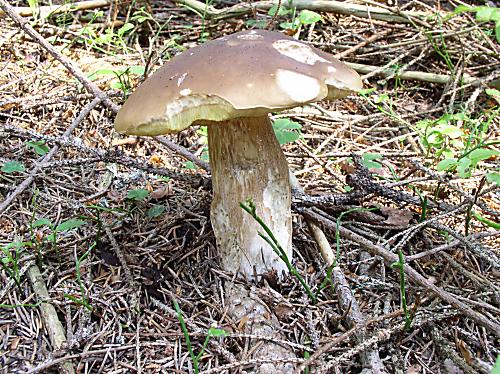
(298,51)
(185,92)
(250,36)
(299,87)
(331,69)
(181,79)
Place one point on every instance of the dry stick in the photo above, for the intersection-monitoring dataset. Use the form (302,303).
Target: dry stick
(27,11)
(49,315)
(412,274)
(369,40)
(370,358)
(134,297)
(356,319)
(68,64)
(183,152)
(27,182)
(410,75)
(215,344)
(318,5)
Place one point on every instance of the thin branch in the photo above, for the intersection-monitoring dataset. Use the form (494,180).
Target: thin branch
(44,11)
(480,319)
(27,182)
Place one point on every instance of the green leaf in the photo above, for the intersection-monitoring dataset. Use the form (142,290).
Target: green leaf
(137,195)
(286,130)
(282,11)
(155,211)
(190,165)
(447,164)
(481,154)
(42,222)
(464,167)
(377,99)
(124,29)
(493,178)
(38,146)
(485,13)
(451,131)
(497,31)
(12,167)
(137,70)
(493,92)
(367,91)
(496,368)
(307,17)
(289,25)
(368,160)
(69,225)
(218,333)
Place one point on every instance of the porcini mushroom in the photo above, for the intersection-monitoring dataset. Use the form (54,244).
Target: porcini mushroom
(231,84)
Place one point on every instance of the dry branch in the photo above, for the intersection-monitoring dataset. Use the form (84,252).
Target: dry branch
(410,75)
(27,182)
(44,11)
(49,315)
(339,7)
(390,257)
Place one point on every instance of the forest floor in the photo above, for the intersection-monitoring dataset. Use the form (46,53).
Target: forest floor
(101,234)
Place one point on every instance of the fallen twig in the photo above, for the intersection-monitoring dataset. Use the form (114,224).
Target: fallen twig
(339,7)
(389,257)
(44,11)
(27,182)
(51,320)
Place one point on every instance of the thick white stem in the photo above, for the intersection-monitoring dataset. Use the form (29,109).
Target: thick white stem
(247,162)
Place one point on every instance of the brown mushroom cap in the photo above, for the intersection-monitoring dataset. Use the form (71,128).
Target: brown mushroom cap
(246,74)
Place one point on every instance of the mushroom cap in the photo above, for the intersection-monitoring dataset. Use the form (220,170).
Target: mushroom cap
(246,74)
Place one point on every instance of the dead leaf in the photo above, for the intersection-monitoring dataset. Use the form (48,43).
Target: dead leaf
(466,354)
(347,167)
(15,343)
(160,193)
(396,216)
(242,323)
(283,312)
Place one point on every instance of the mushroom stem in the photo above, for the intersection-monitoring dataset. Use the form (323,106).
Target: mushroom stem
(247,162)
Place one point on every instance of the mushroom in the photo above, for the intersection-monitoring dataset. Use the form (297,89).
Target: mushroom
(231,84)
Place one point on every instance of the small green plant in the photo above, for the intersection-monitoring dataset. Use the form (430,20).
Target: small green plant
(483,14)
(155,211)
(286,130)
(34,7)
(122,79)
(304,18)
(137,195)
(270,239)
(82,298)
(211,333)
(10,260)
(399,265)
(55,230)
(39,146)
(369,160)
(383,103)
(111,38)
(10,167)
(457,142)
